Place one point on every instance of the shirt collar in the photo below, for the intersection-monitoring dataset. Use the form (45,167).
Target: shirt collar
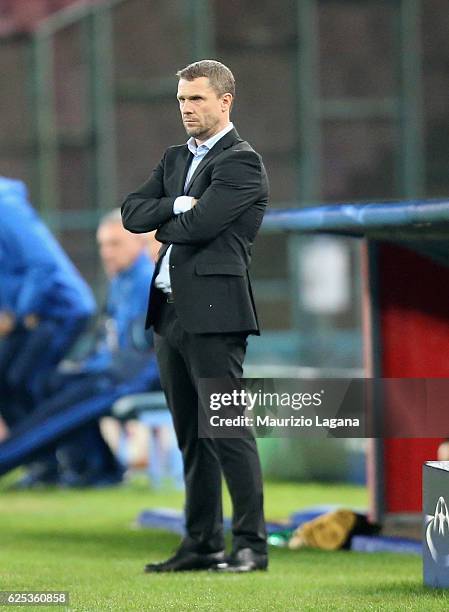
(208,144)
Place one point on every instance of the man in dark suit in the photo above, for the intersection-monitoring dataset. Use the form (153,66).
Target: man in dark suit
(206,199)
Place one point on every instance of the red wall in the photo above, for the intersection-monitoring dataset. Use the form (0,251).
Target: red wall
(414,322)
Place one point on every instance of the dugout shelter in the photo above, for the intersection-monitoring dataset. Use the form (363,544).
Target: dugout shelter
(405,304)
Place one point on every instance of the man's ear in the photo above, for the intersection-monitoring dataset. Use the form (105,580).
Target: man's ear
(226,101)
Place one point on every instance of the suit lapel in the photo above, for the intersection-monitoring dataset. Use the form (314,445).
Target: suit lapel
(224,143)
(184,162)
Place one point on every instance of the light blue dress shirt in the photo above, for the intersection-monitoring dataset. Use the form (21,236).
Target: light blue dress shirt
(184,203)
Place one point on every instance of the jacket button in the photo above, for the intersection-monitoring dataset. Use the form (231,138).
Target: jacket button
(210,305)
(172,267)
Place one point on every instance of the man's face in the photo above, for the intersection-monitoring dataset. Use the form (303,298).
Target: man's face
(118,248)
(203,112)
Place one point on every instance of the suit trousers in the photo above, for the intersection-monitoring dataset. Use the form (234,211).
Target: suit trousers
(183,358)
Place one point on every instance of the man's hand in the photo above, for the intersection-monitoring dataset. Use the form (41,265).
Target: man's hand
(194,202)
(238,182)
(7,323)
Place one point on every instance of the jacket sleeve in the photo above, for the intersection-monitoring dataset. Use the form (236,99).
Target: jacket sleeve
(235,186)
(147,208)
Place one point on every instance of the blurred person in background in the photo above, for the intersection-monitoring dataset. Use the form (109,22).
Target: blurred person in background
(121,361)
(44,306)
(153,246)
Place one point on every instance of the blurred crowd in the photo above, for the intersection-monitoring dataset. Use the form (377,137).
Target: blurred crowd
(63,359)
(23,15)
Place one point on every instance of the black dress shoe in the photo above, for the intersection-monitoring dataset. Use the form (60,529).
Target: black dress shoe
(184,561)
(244,560)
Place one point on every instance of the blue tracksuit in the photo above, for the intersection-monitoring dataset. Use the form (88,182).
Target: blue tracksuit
(126,306)
(122,363)
(38,278)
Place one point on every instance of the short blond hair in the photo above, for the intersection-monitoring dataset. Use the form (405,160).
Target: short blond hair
(220,77)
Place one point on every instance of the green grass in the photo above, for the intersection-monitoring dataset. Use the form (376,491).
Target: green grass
(84,542)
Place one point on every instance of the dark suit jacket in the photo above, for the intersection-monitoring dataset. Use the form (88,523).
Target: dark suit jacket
(211,242)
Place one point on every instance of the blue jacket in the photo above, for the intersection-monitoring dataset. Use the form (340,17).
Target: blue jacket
(36,276)
(126,308)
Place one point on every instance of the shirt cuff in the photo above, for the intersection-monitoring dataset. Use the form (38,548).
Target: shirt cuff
(182,204)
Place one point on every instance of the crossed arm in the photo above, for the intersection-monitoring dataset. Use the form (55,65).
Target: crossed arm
(147,208)
(235,186)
